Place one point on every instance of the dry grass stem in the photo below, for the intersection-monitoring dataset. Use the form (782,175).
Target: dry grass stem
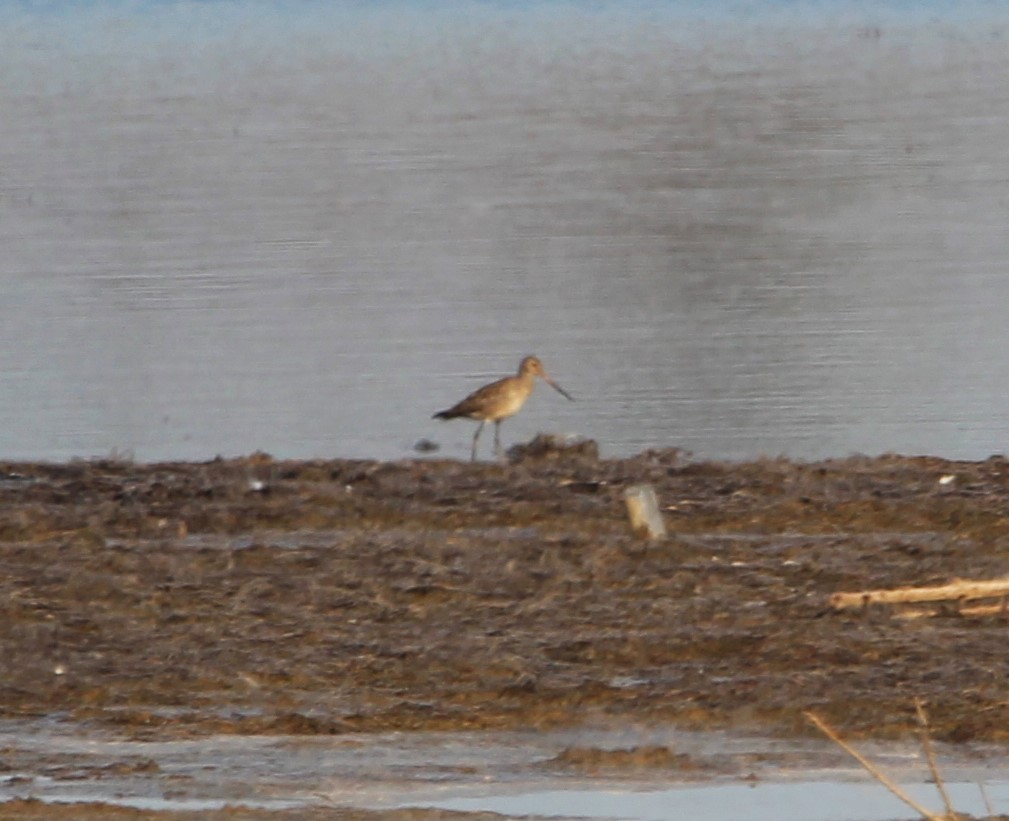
(871,768)
(926,745)
(987,801)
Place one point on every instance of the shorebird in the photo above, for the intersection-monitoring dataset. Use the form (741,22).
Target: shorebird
(499,400)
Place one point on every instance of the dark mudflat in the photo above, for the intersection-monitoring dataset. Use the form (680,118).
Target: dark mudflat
(258,596)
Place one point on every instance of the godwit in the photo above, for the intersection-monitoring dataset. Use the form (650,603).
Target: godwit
(499,400)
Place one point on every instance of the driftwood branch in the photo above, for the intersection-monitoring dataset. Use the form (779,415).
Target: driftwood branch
(961,610)
(956,590)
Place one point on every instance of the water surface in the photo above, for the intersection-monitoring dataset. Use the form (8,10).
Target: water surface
(303,228)
(513,773)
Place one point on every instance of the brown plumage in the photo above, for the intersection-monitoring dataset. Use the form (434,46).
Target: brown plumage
(499,400)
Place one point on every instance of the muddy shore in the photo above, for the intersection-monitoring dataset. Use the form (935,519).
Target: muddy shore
(255,596)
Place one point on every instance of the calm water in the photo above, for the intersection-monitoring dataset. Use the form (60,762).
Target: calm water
(304,228)
(740,776)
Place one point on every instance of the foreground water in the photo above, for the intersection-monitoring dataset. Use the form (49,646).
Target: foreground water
(515,774)
(303,229)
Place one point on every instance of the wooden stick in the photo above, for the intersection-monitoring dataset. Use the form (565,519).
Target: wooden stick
(871,768)
(643,510)
(926,745)
(956,589)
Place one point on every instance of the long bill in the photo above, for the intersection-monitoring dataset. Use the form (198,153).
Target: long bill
(558,388)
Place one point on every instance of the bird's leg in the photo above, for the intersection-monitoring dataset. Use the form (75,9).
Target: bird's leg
(476,438)
(497,439)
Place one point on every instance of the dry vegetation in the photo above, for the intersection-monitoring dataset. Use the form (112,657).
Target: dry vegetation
(256,596)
